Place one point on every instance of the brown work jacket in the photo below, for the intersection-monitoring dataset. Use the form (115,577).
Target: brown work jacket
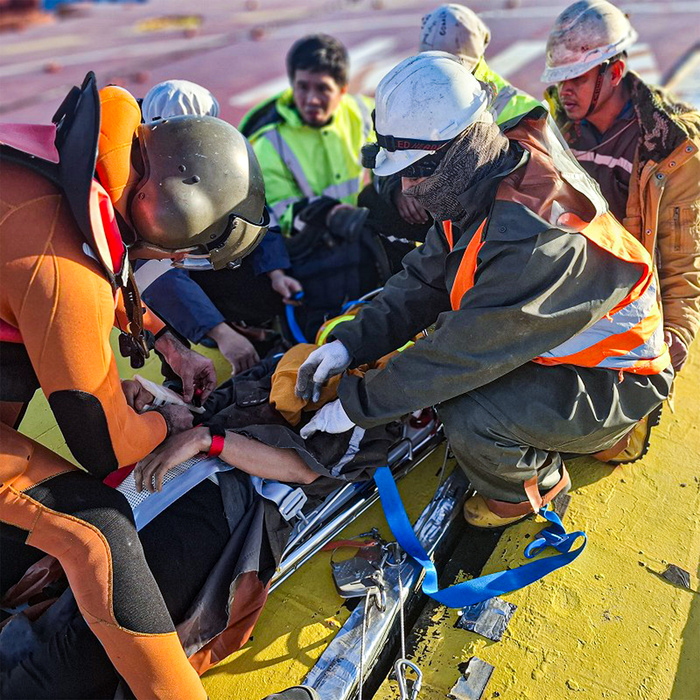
(663,207)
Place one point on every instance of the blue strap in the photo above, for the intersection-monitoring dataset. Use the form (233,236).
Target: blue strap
(350,304)
(485,587)
(294,328)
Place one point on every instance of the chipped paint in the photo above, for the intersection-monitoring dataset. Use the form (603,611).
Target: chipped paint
(609,625)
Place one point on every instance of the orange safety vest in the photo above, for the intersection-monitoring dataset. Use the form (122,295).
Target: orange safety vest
(629,338)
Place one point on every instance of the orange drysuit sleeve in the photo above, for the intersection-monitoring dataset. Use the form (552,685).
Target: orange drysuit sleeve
(63,306)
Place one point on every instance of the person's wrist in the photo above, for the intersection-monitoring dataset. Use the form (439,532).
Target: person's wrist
(275,274)
(164,341)
(202,438)
(220,332)
(215,440)
(168,422)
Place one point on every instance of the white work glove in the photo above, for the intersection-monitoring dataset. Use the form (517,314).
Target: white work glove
(322,364)
(330,419)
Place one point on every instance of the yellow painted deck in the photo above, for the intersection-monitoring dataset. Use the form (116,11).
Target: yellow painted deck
(608,625)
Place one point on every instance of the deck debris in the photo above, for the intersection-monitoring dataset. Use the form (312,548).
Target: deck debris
(472,684)
(676,575)
(489,618)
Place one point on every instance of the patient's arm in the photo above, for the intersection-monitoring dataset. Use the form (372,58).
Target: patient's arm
(248,455)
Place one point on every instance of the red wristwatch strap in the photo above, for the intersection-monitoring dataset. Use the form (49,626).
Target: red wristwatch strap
(217,445)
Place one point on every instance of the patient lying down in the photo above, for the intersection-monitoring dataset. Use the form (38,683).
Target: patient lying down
(213,551)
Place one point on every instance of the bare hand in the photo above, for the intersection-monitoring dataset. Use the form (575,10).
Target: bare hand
(136,396)
(149,472)
(409,209)
(177,418)
(239,351)
(677,349)
(284,285)
(196,371)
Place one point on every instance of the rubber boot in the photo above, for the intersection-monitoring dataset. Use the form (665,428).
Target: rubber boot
(490,514)
(635,444)
(296,692)
(478,514)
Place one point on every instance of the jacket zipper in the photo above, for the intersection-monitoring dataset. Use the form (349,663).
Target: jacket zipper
(676,228)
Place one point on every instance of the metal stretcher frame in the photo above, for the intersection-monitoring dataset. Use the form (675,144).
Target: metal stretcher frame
(337,672)
(345,504)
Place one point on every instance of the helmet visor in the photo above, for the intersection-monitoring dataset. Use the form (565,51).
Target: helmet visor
(239,238)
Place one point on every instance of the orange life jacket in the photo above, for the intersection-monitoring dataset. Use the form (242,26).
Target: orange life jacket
(630,337)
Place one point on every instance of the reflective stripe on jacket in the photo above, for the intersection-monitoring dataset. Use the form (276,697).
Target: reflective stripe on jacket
(301,162)
(630,337)
(663,206)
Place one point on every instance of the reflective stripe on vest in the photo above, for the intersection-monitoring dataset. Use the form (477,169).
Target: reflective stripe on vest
(629,338)
(344,189)
(337,190)
(278,209)
(503,97)
(366,116)
(288,157)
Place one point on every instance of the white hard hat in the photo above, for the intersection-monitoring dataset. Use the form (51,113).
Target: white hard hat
(457,30)
(173,98)
(585,35)
(421,105)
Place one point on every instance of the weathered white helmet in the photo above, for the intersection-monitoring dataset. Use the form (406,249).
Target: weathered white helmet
(585,35)
(421,105)
(172,98)
(457,30)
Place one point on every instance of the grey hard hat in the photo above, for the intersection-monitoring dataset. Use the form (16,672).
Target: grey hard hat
(202,191)
(457,30)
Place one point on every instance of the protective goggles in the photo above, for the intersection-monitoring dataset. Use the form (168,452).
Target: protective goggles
(424,167)
(391,143)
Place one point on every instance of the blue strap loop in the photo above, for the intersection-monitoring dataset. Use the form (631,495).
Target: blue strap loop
(294,327)
(484,587)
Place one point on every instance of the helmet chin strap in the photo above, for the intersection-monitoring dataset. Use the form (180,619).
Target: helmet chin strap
(597,88)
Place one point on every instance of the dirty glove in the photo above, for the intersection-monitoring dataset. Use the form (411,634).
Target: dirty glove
(346,222)
(330,419)
(316,210)
(322,364)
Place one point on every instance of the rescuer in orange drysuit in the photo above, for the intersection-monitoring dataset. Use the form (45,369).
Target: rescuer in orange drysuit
(189,189)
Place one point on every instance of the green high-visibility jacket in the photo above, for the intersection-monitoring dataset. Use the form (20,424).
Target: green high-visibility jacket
(509,101)
(299,161)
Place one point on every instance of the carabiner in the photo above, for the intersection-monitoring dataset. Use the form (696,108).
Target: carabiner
(399,670)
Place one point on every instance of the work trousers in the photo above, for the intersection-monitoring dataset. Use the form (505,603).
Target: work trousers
(513,430)
(89,528)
